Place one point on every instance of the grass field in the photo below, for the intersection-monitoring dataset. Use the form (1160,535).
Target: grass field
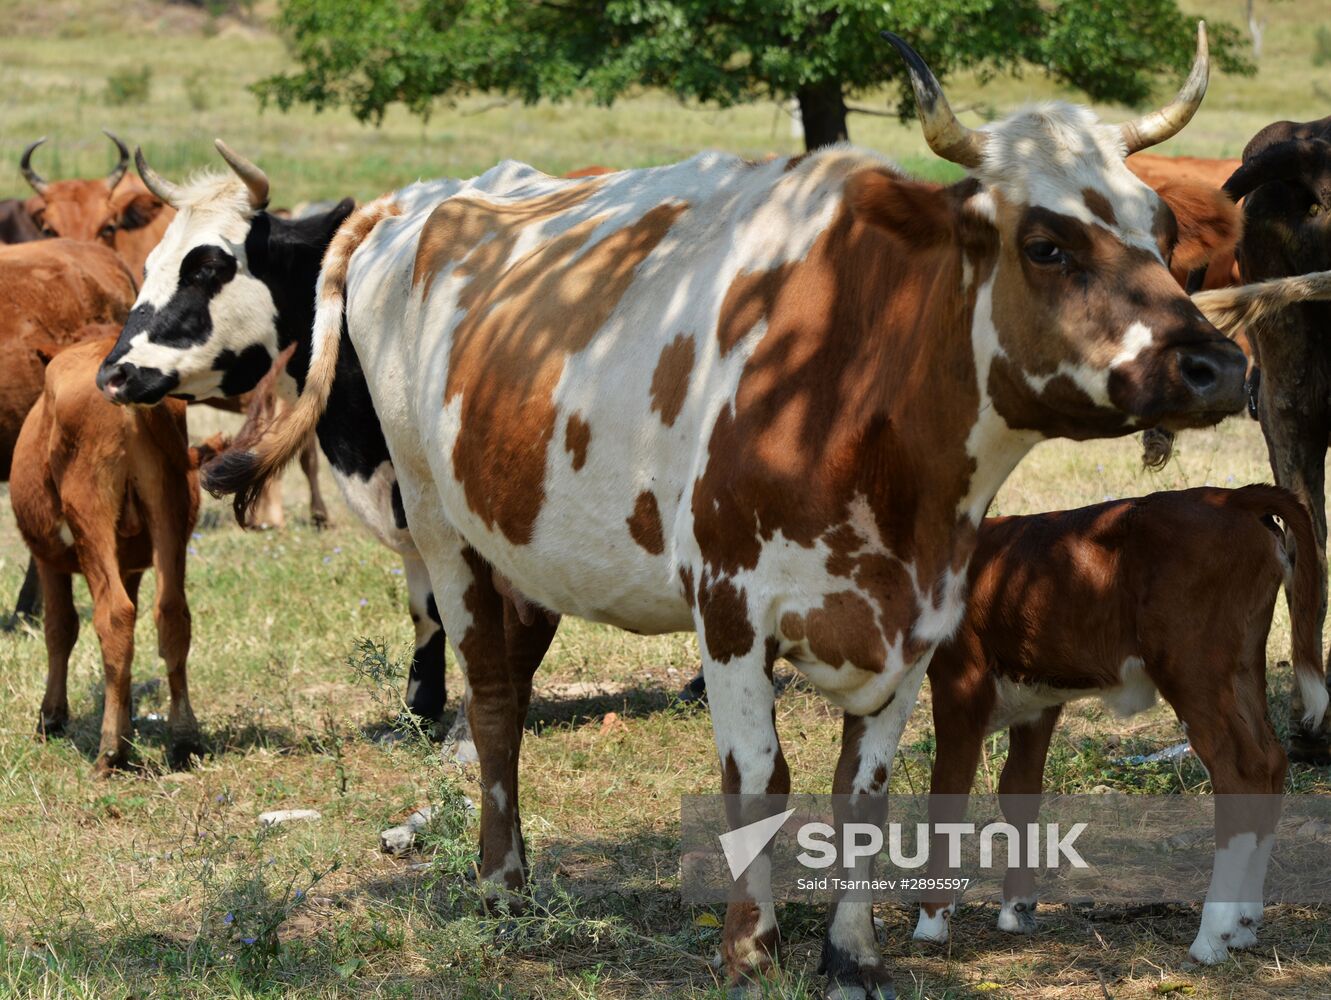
(161,884)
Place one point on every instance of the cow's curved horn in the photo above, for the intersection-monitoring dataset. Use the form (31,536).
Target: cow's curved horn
(1156,127)
(255,179)
(154,181)
(945,135)
(118,174)
(30,175)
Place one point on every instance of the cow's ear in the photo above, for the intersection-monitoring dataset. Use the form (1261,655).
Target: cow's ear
(140,211)
(46,352)
(918,213)
(1208,223)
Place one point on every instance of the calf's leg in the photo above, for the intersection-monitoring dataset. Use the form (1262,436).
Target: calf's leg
(1019,788)
(28,607)
(309,465)
(425,683)
(61,626)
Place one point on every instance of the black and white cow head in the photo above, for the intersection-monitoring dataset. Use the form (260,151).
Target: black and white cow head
(227,288)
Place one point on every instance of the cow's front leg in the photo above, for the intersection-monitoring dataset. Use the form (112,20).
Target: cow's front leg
(851,960)
(756,782)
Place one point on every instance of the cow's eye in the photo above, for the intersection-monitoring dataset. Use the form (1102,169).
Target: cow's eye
(48,231)
(1045,252)
(108,230)
(1315,209)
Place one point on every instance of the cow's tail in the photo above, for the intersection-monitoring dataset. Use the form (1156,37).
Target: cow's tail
(243,472)
(1232,309)
(1304,586)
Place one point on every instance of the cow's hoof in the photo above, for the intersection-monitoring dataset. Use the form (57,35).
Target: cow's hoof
(1244,937)
(935,929)
(1017,917)
(52,725)
(855,991)
(108,763)
(694,692)
(462,751)
(1309,747)
(1205,951)
(184,750)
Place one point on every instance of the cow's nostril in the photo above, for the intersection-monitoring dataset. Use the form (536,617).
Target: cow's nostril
(1199,372)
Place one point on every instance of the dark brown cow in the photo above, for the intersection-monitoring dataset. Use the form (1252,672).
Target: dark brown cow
(16,224)
(108,492)
(117,210)
(1285,181)
(1121,601)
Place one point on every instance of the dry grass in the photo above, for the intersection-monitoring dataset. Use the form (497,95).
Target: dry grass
(123,888)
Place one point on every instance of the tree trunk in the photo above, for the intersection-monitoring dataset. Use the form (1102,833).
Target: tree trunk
(823,113)
(1256,27)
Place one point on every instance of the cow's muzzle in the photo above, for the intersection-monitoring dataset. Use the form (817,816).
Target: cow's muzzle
(1214,377)
(125,383)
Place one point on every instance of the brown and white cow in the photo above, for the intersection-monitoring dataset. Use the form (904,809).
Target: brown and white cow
(769,402)
(1122,601)
(117,210)
(108,492)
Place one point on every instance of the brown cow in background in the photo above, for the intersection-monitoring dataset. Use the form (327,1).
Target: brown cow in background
(108,492)
(117,210)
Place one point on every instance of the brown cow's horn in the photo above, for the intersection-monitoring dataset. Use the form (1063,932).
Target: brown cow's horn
(30,175)
(154,181)
(1158,126)
(118,174)
(946,136)
(255,179)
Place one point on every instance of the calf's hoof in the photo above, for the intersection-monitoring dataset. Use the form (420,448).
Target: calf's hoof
(108,762)
(935,929)
(1017,917)
(1208,952)
(694,692)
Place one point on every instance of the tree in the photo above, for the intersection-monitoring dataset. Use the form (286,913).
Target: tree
(368,54)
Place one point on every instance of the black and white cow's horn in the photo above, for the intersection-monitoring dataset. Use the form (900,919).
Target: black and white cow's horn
(945,135)
(1156,127)
(255,179)
(30,175)
(154,181)
(118,174)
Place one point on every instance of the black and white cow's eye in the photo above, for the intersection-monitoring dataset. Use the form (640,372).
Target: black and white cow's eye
(1045,252)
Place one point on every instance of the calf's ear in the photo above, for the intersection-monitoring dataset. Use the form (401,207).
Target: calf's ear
(46,352)
(917,213)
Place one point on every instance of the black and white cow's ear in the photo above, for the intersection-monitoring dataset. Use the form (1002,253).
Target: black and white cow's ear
(916,212)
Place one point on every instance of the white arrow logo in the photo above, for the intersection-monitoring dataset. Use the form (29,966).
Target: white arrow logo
(743,845)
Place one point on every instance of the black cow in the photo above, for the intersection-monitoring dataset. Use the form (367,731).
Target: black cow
(16,224)
(1286,180)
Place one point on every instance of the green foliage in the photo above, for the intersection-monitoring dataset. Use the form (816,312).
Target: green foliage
(128,86)
(369,54)
(1322,51)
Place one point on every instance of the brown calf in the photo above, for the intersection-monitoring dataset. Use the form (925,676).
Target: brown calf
(1170,593)
(108,492)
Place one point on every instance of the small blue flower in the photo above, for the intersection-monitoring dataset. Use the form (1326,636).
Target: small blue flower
(396,571)
(196,536)
(337,549)
(249,940)
(193,551)
(300,893)
(364,602)
(230,918)
(327,560)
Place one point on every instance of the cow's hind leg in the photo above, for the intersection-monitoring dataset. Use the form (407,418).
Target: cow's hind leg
(851,960)
(61,626)
(756,782)
(28,607)
(473,615)
(425,683)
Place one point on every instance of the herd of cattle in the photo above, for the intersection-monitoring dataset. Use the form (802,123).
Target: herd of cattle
(766,401)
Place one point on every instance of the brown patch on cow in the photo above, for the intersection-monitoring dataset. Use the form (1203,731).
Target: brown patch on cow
(484,231)
(645,523)
(509,350)
(1099,206)
(686,582)
(794,162)
(843,630)
(670,381)
(842,399)
(725,618)
(577,435)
